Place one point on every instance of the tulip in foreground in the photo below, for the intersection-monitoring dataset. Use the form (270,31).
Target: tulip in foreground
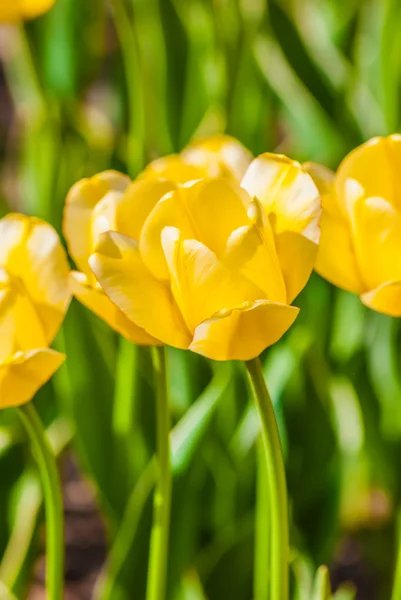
(360,245)
(110,201)
(215,265)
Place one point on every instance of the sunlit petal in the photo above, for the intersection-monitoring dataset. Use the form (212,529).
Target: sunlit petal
(376,167)
(201,284)
(377,241)
(82,199)
(146,301)
(287,193)
(173,168)
(222,156)
(244,332)
(297,256)
(251,251)
(336,259)
(207,210)
(94,298)
(24,373)
(386,298)
(137,202)
(32,253)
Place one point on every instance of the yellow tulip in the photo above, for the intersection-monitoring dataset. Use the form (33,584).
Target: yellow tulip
(34,298)
(360,246)
(215,156)
(18,10)
(103,203)
(214,265)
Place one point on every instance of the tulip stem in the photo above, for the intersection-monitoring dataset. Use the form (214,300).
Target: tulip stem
(159,541)
(277,490)
(50,480)
(261,574)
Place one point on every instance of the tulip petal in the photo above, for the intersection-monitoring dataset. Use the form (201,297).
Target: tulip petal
(24,373)
(297,256)
(385,299)
(20,325)
(376,166)
(244,332)
(201,284)
(173,168)
(32,253)
(207,210)
(94,298)
(128,283)
(336,259)
(251,251)
(324,179)
(137,202)
(78,213)
(377,240)
(169,211)
(287,193)
(221,155)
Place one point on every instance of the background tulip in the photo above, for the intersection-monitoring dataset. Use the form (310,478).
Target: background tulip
(107,201)
(34,298)
(23,9)
(360,247)
(204,273)
(214,156)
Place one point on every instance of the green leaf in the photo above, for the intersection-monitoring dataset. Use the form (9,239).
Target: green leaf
(322,587)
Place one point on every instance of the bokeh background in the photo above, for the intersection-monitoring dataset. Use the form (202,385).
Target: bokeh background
(95,84)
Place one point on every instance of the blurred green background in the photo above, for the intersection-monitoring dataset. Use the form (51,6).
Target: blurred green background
(95,84)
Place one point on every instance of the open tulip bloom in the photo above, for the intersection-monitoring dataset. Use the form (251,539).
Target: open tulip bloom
(360,244)
(210,264)
(34,298)
(110,201)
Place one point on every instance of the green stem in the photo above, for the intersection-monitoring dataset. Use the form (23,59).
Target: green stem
(159,541)
(261,575)
(53,501)
(127,434)
(126,384)
(275,473)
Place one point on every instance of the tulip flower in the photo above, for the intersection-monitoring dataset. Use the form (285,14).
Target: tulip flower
(34,298)
(11,12)
(215,156)
(216,265)
(33,301)
(360,245)
(102,203)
